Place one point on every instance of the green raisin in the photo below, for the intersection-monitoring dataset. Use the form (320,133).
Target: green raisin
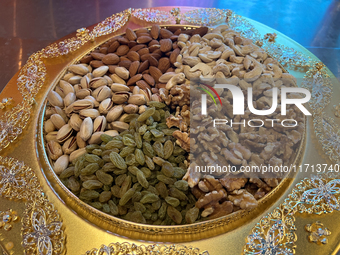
(117,160)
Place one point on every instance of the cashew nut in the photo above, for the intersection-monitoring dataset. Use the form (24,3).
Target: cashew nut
(222,68)
(191,61)
(176,79)
(210,36)
(255,73)
(204,68)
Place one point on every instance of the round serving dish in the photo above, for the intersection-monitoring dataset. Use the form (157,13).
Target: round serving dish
(179,233)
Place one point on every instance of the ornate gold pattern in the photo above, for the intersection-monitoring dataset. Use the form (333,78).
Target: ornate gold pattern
(276,231)
(205,16)
(133,249)
(41,226)
(318,233)
(328,133)
(153,16)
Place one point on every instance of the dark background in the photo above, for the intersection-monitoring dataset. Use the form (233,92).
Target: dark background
(27,26)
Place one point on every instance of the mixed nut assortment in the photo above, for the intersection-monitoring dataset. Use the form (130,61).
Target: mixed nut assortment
(119,125)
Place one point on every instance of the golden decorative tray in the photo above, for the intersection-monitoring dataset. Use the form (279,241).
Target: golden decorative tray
(39,216)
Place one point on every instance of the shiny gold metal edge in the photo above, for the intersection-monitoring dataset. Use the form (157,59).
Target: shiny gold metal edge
(147,232)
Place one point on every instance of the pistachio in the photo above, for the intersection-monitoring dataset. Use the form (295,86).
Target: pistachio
(115,78)
(130,108)
(94,101)
(74,80)
(80,142)
(83,93)
(85,82)
(76,154)
(54,149)
(51,136)
(57,121)
(70,145)
(55,99)
(98,82)
(100,71)
(120,126)
(69,99)
(137,99)
(86,129)
(64,133)
(111,132)
(59,111)
(102,93)
(61,164)
(117,87)
(114,113)
(80,105)
(66,87)
(78,69)
(120,97)
(75,122)
(95,138)
(122,72)
(99,124)
(105,106)
(92,113)
(49,126)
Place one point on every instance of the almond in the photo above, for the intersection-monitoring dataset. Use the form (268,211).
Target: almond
(132,44)
(138,47)
(134,68)
(130,34)
(134,79)
(164,64)
(173,56)
(160,85)
(110,59)
(155,73)
(96,63)
(144,39)
(166,45)
(153,42)
(97,56)
(113,47)
(123,49)
(142,85)
(103,50)
(123,40)
(133,56)
(152,60)
(154,47)
(165,33)
(143,66)
(125,63)
(86,59)
(149,79)
(143,34)
(155,31)
(143,51)
(141,30)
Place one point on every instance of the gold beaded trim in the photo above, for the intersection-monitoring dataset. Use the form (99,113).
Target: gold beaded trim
(131,248)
